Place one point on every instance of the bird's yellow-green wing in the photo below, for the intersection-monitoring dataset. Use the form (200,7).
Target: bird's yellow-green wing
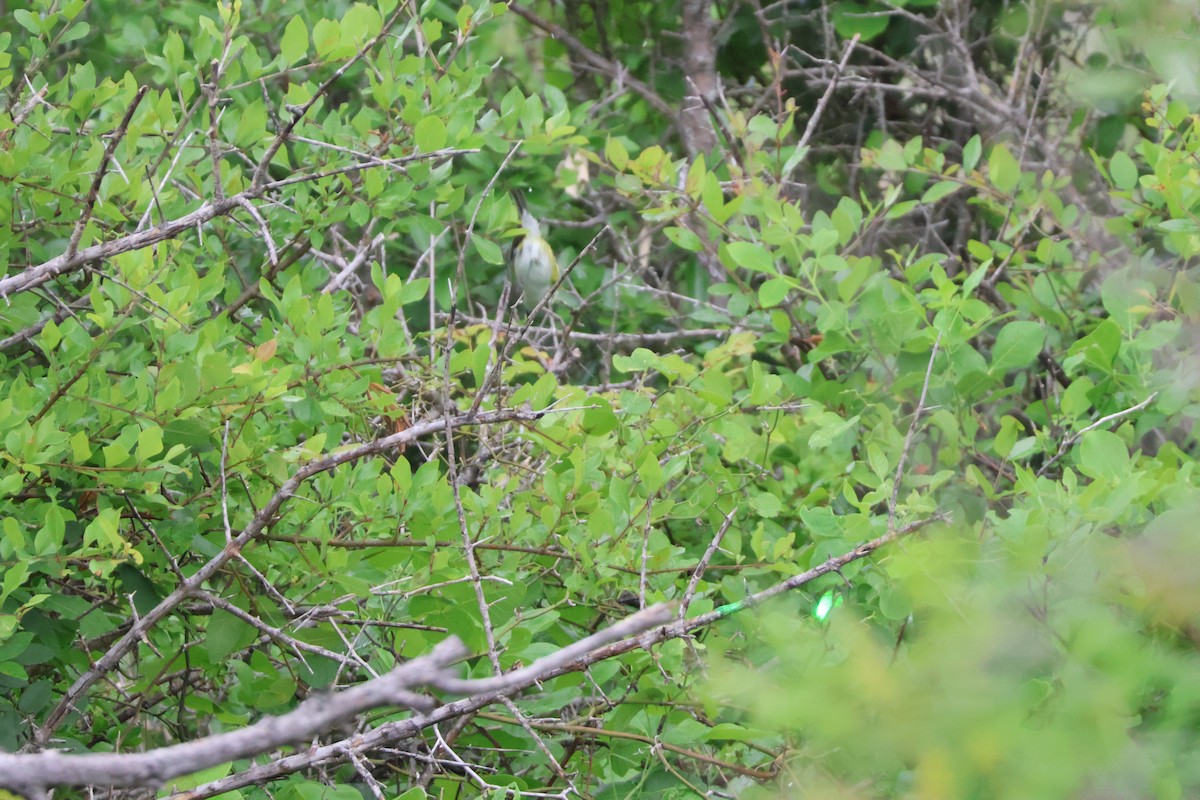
(553,261)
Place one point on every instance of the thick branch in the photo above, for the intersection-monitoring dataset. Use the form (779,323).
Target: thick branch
(552,666)
(261,520)
(700,67)
(69,262)
(32,773)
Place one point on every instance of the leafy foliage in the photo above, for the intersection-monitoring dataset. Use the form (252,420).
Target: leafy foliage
(243,243)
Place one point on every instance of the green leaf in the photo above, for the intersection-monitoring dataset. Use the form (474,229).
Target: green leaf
(979,251)
(971,152)
(414,290)
(1017,345)
(81,448)
(227,635)
(430,134)
(972,281)
(1103,454)
(115,454)
(361,22)
(773,292)
(766,505)
(830,427)
(28,21)
(251,124)
(894,604)
(532,116)
(1179,226)
(1100,347)
(76,31)
(1006,437)
(732,732)
(194,779)
(639,360)
(50,335)
(695,177)
(150,443)
(826,604)
(891,156)
(751,256)
(14,575)
(939,190)
(1024,448)
(190,433)
(850,18)
(327,36)
(294,44)
(1003,170)
(488,250)
(616,153)
(901,209)
(650,472)
(714,198)
(432,27)
(12,669)
(685,239)
(600,418)
(1123,171)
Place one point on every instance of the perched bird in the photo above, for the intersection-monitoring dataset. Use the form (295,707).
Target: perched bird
(534,266)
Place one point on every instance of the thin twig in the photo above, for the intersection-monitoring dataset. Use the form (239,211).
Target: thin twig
(260,171)
(272,254)
(487,190)
(811,127)
(352,266)
(908,437)
(698,573)
(224,490)
(643,580)
(1070,441)
(617,73)
(89,202)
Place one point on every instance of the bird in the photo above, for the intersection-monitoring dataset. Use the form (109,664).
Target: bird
(534,266)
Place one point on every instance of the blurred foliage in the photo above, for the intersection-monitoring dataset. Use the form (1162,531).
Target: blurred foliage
(919,311)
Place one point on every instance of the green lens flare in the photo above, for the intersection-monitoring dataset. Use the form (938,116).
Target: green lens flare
(828,602)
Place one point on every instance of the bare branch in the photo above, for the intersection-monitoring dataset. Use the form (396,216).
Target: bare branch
(819,111)
(912,429)
(89,202)
(272,254)
(698,573)
(257,525)
(260,172)
(1070,441)
(33,772)
(642,630)
(616,72)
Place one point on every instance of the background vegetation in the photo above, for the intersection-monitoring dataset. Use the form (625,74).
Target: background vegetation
(876,358)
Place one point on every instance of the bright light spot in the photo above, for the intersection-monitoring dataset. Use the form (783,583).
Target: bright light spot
(828,602)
